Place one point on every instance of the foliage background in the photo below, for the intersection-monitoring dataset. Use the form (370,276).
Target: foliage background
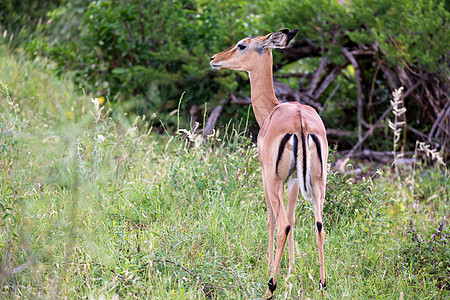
(94,204)
(144,54)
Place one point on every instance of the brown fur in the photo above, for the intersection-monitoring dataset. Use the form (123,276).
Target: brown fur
(276,121)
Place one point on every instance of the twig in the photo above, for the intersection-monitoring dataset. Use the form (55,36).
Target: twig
(329,98)
(372,89)
(417,132)
(316,76)
(374,79)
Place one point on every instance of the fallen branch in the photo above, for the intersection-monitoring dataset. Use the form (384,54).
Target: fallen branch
(385,157)
(339,133)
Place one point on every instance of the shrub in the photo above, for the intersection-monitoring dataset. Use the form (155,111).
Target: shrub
(145,54)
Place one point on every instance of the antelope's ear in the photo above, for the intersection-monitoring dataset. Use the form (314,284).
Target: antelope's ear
(279,39)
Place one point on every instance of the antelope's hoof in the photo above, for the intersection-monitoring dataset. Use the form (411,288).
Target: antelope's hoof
(323,288)
(268,294)
(271,288)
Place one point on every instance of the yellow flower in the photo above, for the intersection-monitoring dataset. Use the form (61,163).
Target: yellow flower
(101,99)
(69,115)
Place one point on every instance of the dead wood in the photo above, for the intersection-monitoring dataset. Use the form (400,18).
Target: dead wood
(384,157)
(425,91)
(429,91)
(212,119)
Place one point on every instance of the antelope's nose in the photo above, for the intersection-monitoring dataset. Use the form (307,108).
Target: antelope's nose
(212,57)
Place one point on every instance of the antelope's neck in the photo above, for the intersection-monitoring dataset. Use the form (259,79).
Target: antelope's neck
(262,93)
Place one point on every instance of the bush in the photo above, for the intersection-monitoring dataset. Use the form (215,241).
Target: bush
(145,54)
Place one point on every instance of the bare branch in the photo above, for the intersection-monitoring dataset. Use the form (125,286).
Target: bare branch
(444,112)
(290,75)
(298,50)
(338,133)
(329,97)
(286,93)
(328,80)
(369,132)
(316,76)
(383,116)
(240,100)
(355,65)
(385,157)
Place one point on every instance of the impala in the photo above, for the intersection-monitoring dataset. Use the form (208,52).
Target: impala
(292,146)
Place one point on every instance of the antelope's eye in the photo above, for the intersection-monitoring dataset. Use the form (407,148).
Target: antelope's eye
(241,47)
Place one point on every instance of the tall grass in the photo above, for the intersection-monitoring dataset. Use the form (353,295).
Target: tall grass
(96,207)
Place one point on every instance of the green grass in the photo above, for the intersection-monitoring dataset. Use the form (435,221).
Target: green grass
(103,208)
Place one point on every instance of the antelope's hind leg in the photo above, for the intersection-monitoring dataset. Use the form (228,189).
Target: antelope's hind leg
(274,190)
(293,190)
(318,176)
(320,238)
(271,226)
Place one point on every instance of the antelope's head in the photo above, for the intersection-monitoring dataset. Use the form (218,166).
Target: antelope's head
(248,53)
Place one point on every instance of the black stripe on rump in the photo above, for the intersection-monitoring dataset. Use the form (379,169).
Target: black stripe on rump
(319,152)
(281,149)
(295,149)
(304,151)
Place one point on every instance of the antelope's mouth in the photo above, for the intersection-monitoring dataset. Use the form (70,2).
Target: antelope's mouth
(216,66)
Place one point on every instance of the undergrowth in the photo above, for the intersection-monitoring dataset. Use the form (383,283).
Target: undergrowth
(95,206)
